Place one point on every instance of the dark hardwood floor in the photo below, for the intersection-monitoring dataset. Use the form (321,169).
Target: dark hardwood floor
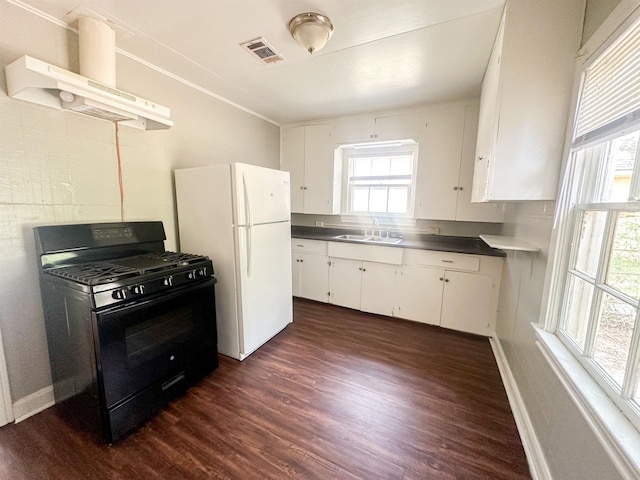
(338,395)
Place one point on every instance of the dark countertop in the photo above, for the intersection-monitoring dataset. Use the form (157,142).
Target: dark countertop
(441,243)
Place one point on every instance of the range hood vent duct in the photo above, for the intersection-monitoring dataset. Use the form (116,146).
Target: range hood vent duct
(38,82)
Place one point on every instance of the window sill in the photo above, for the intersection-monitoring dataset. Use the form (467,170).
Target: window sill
(616,434)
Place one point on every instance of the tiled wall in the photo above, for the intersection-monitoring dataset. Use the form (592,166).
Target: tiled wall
(61,167)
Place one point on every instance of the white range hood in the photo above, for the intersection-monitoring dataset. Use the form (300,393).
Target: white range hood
(38,82)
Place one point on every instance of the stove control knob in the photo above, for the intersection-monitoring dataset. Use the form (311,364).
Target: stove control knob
(119,294)
(137,289)
(197,273)
(167,281)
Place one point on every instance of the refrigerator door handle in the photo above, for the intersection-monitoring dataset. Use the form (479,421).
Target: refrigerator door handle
(249,251)
(248,220)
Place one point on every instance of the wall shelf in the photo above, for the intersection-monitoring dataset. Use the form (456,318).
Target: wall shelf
(508,243)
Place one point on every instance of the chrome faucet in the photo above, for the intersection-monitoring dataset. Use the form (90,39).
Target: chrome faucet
(375,225)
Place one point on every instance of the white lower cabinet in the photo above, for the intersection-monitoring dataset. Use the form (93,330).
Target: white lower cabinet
(418,294)
(468,303)
(465,301)
(377,292)
(310,264)
(366,286)
(452,290)
(311,276)
(345,281)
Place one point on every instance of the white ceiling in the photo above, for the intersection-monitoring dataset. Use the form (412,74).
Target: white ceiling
(383,53)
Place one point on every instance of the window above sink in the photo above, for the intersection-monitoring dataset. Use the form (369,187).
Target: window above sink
(379,179)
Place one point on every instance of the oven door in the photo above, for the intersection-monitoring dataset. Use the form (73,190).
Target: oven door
(154,340)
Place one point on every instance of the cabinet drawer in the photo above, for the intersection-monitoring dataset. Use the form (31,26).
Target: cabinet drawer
(451,261)
(308,246)
(369,253)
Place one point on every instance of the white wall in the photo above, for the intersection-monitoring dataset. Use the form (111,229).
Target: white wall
(59,167)
(596,13)
(569,445)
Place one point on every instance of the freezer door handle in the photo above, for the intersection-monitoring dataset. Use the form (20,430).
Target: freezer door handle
(247,201)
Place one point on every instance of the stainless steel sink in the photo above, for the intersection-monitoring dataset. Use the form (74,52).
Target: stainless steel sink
(369,239)
(387,240)
(358,238)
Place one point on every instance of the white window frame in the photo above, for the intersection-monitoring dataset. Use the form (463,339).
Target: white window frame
(401,147)
(599,403)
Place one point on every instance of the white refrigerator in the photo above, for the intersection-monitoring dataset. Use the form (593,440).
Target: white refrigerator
(239,215)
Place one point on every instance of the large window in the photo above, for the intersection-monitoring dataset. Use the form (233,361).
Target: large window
(599,283)
(379,179)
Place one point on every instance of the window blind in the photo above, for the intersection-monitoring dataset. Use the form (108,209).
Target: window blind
(611,89)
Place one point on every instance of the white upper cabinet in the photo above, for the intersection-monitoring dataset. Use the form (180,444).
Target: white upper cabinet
(293,158)
(308,154)
(467,211)
(439,153)
(376,128)
(525,101)
(445,167)
(446,136)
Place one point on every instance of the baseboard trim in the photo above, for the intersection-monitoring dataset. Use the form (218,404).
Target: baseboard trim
(33,403)
(532,448)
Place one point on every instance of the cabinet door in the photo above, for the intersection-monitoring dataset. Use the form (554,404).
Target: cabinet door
(439,155)
(354,129)
(465,210)
(488,121)
(345,279)
(318,170)
(418,294)
(293,162)
(314,277)
(296,267)
(466,303)
(378,281)
(397,127)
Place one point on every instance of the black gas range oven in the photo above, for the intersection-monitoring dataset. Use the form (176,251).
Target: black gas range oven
(129,325)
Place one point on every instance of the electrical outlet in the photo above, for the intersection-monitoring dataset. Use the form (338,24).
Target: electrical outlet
(319,224)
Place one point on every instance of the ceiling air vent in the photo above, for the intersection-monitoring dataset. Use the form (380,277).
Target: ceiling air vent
(260,49)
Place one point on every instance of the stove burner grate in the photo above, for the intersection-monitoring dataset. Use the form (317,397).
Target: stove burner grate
(116,269)
(94,273)
(178,258)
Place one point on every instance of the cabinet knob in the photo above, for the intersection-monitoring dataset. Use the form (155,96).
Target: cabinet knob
(480,158)
(455,188)
(446,280)
(441,279)
(460,188)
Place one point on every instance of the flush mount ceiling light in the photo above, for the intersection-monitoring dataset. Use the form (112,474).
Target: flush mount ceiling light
(311,30)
